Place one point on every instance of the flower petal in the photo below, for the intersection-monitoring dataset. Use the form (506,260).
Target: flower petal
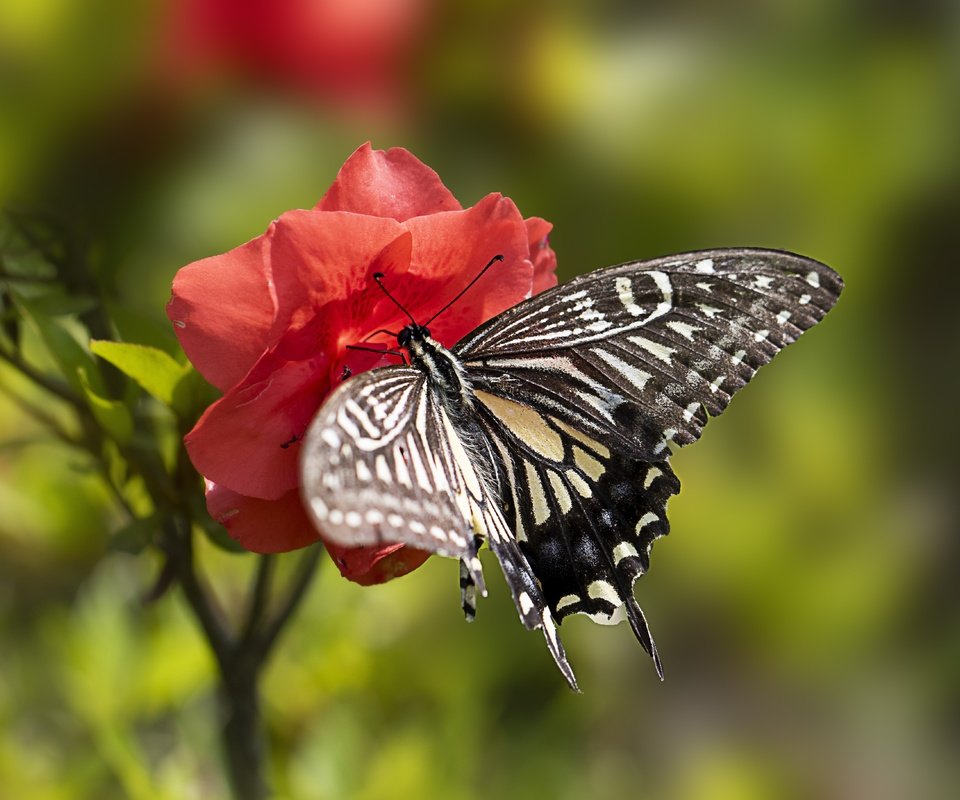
(263,526)
(450,249)
(387,183)
(543,257)
(371,565)
(247,440)
(323,263)
(221,310)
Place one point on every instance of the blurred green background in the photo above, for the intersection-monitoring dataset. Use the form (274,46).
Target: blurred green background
(806,602)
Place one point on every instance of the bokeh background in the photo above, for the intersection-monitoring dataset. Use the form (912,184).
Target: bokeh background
(806,603)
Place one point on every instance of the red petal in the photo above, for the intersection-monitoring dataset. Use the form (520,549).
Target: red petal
(319,260)
(222,311)
(243,441)
(387,183)
(450,249)
(371,565)
(543,257)
(263,526)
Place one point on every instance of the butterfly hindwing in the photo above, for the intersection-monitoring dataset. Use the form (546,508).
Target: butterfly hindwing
(584,516)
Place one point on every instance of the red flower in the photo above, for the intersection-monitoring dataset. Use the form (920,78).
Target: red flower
(268,324)
(351,50)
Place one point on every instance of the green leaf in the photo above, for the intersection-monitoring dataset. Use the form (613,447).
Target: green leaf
(67,352)
(112,415)
(154,370)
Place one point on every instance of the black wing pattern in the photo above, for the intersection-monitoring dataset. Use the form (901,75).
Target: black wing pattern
(582,387)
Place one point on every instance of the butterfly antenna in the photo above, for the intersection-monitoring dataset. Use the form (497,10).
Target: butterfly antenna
(378,277)
(464,290)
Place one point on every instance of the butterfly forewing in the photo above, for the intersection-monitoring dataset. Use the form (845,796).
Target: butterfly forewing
(379,464)
(638,355)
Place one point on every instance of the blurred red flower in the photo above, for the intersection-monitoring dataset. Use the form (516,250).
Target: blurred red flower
(355,51)
(268,324)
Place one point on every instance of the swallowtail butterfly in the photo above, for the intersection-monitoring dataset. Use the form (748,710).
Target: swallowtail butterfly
(545,432)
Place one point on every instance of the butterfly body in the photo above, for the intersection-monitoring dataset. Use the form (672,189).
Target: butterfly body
(444,371)
(545,433)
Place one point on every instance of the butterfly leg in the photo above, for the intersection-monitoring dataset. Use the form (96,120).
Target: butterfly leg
(471,581)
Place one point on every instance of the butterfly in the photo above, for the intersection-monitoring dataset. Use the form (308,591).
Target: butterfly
(546,432)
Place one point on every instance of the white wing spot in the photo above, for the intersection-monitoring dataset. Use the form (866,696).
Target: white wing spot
(330,437)
(715,386)
(550,628)
(738,357)
(684,329)
(759,336)
(707,287)
(578,483)
(636,376)
(336,517)
(394,520)
(782,317)
(624,550)
(418,527)
(541,511)
(526,604)
(560,491)
(705,266)
(804,299)
(762,282)
(813,279)
(689,411)
(602,590)
(710,311)
(567,600)
(383,469)
(652,474)
(400,467)
(319,508)
(353,519)
(363,472)
(625,292)
(645,520)
(655,349)
(374,517)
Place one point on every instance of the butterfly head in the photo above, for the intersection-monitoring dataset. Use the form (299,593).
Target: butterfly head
(412,333)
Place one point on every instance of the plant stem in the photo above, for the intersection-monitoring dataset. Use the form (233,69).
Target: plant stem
(241,657)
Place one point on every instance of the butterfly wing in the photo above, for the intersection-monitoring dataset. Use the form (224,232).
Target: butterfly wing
(639,354)
(581,388)
(584,517)
(383,462)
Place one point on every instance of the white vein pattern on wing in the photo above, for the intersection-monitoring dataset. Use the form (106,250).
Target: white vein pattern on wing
(378,436)
(560,364)
(660,279)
